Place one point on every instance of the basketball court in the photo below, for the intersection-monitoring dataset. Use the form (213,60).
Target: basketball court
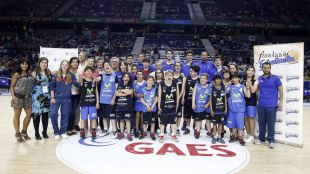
(107,155)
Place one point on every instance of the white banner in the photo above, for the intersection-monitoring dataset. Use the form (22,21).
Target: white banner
(287,62)
(56,55)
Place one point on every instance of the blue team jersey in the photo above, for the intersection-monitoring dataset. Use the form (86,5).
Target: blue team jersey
(236,100)
(186,68)
(138,90)
(107,88)
(201,98)
(168,67)
(149,98)
(205,67)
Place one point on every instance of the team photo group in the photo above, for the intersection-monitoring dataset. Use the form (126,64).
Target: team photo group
(134,98)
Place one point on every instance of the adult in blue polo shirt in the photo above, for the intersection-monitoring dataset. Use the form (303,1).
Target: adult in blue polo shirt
(168,64)
(204,64)
(189,62)
(217,68)
(269,86)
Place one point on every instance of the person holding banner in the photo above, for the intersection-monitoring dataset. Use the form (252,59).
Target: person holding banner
(269,87)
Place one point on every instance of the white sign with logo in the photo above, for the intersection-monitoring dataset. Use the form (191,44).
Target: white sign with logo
(287,61)
(56,55)
(107,155)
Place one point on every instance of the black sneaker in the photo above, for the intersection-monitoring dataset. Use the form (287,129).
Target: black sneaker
(38,136)
(178,132)
(187,131)
(77,127)
(220,140)
(214,140)
(45,136)
(184,126)
(136,133)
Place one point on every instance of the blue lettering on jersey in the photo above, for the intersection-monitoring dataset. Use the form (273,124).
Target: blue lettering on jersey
(107,88)
(236,100)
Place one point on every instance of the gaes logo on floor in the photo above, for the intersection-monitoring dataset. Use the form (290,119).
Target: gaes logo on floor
(88,156)
(96,143)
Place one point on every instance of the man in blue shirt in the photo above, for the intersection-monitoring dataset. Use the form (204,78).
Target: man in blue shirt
(270,86)
(204,64)
(189,62)
(218,67)
(168,64)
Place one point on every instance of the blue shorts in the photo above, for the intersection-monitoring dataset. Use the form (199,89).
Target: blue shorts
(250,111)
(88,112)
(235,120)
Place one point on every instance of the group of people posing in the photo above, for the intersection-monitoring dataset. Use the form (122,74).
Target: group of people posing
(128,99)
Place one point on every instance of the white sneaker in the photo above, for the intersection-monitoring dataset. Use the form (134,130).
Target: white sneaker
(114,135)
(65,136)
(271,145)
(257,142)
(57,137)
(248,138)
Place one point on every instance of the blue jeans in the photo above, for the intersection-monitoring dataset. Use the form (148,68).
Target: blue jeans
(75,99)
(65,110)
(267,117)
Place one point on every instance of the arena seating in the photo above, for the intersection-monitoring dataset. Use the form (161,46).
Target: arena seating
(296,11)
(105,8)
(175,42)
(171,9)
(237,10)
(32,8)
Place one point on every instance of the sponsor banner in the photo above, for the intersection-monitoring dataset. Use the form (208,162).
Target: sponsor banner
(287,62)
(56,55)
(107,155)
(178,22)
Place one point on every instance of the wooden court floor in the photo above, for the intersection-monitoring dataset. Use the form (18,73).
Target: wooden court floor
(39,157)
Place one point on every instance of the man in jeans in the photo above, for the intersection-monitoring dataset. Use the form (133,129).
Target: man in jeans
(270,87)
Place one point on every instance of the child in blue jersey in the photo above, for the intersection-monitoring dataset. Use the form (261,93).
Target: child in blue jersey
(149,101)
(108,86)
(138,85)
(124,105)
(200,102)
(89,101)
(236,102)
(218,108)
